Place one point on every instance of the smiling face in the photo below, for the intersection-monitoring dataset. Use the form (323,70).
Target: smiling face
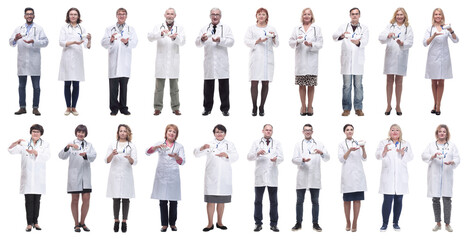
(219,134)
(349,132)
(121,17)
(307,17)
(215,16)
(80,135)
(171,134)
(29,16)
(123,133)
(170,15)
(73,16)
(400,17)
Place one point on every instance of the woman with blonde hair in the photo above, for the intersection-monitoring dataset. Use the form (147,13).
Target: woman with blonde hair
(438,65)
(395,154)
(307,40)
(398,35)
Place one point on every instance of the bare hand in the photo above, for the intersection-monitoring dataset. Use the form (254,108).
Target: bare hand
(204,37)
(223,154)
(124,40)
(261,152)
(18,36)
(112,39)
(399,42)
(206,146)
(260,40)
(356,41)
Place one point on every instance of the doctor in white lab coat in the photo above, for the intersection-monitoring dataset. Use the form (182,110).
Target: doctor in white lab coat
(220,154)
(29,38)
(261,38)
(395,154)
(216,38)
(119,39)
(398,35)
(354,37)
(72,37)
(307,40)
(442,157)
(80,154)
(267,154)
(169,36)
(166,185)
(438,65)
(351,154)
(34,154)
(308,154)
(122,154)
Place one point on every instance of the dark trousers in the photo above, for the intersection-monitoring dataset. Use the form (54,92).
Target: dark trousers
(71,97)
(118,89)
(22,90)
(314,196)
(32,203)
(125,207)
(168,216)
(208,94)
(387,208)
(258,215)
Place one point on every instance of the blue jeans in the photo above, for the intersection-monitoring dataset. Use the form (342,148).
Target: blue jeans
(71,97)
(358,92)
(258,215)
(387,208)
(22,90)
(314,195)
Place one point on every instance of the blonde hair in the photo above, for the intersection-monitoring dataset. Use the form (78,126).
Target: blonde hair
(447,137)
(400,138)
(129,132)
(311,13)
(442,21)
(406,22)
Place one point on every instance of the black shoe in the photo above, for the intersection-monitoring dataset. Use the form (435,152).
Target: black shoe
(258,228)
(124,227)
(296,227)
(388,113)
(317,227)
(221,227)
(113,113)
(208,229)
(164,229)
(274,229)
(262,111)
(126,112)
(225,113)
(254,111)
(85,228)
(116,226)
(20,111)
(206,113)
(174,229)
(77,228)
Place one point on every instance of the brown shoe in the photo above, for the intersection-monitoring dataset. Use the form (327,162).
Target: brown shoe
(177,112)
(36,112)
(359,113)
(21,111)
(345,113)
(157,112)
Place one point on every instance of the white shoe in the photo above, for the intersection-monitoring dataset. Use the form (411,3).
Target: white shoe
(448,228)
(436,228)
(74,112)
(67,112)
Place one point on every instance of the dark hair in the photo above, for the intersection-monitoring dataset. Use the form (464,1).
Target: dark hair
(219,127)
(67,20)
(36,127)
(347,125)
(307,125)
(81,128)
(355,8)
(28,9)
(267,125)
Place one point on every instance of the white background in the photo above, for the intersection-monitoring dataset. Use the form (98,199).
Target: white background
(282,111)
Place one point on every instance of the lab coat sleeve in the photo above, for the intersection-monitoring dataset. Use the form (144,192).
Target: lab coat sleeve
(426,155)
(155,34)
(279,151)
(12,38)
(15,150)
(134,154)
(249,38)
(63,37)
(380,148)
(105,41)
(383,37)
(341,153)
(64,155)
(228,39)
(408,43)
(325,156)
(252,155)
(232,153)
(318,42)
(180,39)
(408,154)
(293,39)
(43,154)
(297,155)
(365,37)
(338,33)
(109,151)
(199,153)
(181,154)
(91,154)
(454,40)
(455,155)
(427,35)
(198,41)
(133,39)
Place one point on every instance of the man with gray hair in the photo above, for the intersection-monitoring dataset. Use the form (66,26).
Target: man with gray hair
(216,38)
(169,37)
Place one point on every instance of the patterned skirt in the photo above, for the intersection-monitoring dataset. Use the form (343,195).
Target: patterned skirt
(306,80)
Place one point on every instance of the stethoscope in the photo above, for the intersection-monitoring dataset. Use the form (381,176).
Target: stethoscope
(24,28)
(308,149)
(213,31)
(115,29)
(305,35)
(81,30)
(269,145)
(352,142)
(125,148)
(163,27)
(394,27)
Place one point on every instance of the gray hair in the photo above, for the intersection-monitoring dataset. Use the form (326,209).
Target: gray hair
(216,9)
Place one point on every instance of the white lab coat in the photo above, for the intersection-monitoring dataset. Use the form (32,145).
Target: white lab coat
(306,57)
(394,174)
(266,171)
(216,62)
(396,56)
(167,53)
(261,57)
(79,169)
(120,183)
(309,173)
(167,178)
(352,56)
(353,178)
(439,175)
(29,54)
(120,55)
(218,172)
(72,64)
(438,65)
(33,169)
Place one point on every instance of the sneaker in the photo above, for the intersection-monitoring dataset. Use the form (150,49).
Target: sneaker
(296,227)
(396,227)
(448,228)
(20,111)
(345,113)
(36,112)
(359,113)
(317,228)
(383,228)
(436,228)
